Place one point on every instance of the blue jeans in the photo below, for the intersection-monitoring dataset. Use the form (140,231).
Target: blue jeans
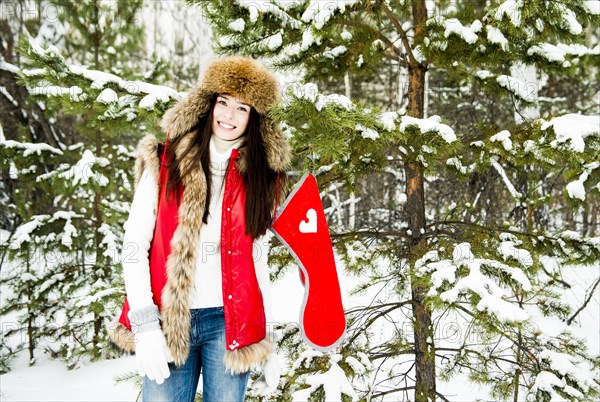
(207,348)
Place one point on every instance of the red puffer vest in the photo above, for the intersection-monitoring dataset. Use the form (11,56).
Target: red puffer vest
(245,322)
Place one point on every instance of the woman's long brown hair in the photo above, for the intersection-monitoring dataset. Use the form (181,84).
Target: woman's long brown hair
(260,180)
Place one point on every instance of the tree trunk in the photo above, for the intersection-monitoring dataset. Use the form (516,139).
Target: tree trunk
(415,208)
(416,90)
(422,322)
(352,205)
(30,324)
(98,218)
(518,358)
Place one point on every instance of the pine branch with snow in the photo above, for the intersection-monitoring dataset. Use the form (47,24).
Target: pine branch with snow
(103,96)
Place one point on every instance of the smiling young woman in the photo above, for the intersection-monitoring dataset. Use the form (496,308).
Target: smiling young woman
(230,118)
(197,284)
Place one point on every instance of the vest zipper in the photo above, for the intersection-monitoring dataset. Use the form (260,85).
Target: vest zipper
(227,209)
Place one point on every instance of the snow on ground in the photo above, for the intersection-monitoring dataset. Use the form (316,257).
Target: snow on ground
(51,381)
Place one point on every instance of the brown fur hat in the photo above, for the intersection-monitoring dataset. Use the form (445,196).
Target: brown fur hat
(236,75)
(239,76)
(244,77)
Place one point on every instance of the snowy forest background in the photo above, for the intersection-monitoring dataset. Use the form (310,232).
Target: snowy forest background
(456,144)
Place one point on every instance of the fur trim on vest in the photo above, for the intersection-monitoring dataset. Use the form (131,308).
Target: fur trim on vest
(248,79)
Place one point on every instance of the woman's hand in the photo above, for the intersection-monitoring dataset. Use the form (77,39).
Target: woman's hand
(151,352)
(269,380)
(152,355)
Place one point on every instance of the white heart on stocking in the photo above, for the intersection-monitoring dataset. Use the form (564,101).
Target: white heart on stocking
(310,225)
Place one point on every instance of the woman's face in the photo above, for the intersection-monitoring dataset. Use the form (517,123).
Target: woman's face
(230,117)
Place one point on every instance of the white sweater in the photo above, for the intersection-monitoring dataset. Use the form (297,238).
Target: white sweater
(139,230)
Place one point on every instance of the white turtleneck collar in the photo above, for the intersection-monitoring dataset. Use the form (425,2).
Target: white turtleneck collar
(224,147)
(220,152)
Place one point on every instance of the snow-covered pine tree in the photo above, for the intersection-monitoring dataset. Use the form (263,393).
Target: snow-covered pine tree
(25,291)
(436,263)
(29,146)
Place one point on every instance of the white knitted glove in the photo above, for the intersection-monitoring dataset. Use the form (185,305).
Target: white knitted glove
(152,355)
(151,352)
(268,381)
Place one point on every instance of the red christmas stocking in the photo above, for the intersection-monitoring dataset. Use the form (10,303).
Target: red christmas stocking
(301,225)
